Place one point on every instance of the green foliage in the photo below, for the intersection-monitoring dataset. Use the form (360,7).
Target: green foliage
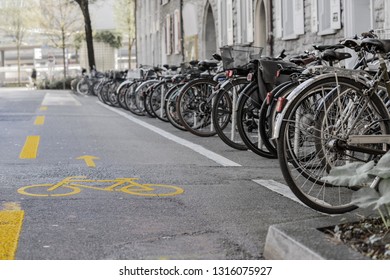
(110,38)
(361,174)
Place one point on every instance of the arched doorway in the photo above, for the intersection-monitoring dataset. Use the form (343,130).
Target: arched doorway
(210,33)
(191,37)
(260,36)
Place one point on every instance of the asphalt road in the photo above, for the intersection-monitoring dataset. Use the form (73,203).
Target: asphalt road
(217,208)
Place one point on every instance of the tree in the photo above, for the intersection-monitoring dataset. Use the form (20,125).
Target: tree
(16,20)
(84,6)
(125,20)
(60,20)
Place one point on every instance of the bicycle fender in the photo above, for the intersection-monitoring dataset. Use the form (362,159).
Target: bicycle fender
(228,82)
(123,84)
(247,88)
(302,86)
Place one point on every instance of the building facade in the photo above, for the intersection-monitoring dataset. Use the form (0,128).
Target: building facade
(175,31)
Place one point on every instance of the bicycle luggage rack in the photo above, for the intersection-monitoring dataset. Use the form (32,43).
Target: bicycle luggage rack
(369,139)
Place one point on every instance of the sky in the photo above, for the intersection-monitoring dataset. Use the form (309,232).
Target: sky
(102,15)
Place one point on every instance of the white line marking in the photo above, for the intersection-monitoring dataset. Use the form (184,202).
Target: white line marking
(59,98)
(195,147)
(279,188)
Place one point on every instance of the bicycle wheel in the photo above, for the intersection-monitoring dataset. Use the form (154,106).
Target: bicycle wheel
(43,190)
(152,190)
(122,96)
(156,100)
(268,114)
(224,113)
(130,100)
(313,138)
(194,106)
(170,107)
(249,105)
(147,103)
(112,94)
(140,95)
(104,93)
(83,86)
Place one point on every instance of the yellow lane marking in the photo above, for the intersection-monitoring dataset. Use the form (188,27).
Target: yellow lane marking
(43,108)
(30,148)
(89,160)
(40,120)
(11,220)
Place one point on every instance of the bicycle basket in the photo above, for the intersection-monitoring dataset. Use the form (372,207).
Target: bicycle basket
(236,57)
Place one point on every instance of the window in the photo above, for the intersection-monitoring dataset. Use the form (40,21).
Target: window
(177,32)
(225,22)
(245,21)
(289,19)
(326,16)
(387,17)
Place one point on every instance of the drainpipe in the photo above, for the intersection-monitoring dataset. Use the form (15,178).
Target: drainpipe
(271,29)
(182,32)
(135,35)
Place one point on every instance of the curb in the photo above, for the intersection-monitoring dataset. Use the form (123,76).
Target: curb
(303,240)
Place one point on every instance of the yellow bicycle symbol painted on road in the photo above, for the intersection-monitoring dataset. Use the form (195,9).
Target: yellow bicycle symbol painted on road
(74,185)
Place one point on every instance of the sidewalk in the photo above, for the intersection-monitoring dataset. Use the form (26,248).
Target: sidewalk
(303,240)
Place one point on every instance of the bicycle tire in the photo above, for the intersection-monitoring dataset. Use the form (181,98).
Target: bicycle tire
(194,107)
(302,144)
(122,96)
(222,113)
(170,107)
(249,105)
(131,101)
(268,114)
(147,103)
(83,87)
(157,98)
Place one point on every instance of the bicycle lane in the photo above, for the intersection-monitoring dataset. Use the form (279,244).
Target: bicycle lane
(105,224)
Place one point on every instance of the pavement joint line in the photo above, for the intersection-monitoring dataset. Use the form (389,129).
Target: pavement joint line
(195,147)
(30,148)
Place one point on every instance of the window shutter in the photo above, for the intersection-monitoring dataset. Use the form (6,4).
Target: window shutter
(229,23)
(177,32)
(314,16)
(249,26)
(240,21)
(278,18)
(335,20)
(220,22)
(387,15)
(168,34)
(299,17)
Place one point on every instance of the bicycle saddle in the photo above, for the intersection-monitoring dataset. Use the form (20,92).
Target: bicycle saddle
(351,43)
(207,64)
(381,46)
(303,59)
(322,48)
(194,62)
(331,55)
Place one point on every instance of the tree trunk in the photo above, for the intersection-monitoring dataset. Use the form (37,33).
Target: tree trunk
(64,57)
(88,32)
(18,58)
